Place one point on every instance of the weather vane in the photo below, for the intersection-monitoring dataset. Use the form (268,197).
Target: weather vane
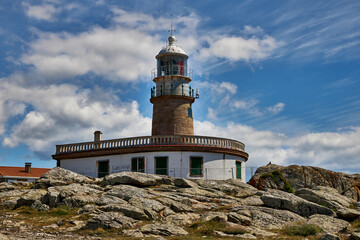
(172,27)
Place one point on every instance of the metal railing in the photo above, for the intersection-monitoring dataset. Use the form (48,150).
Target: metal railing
(181,90)
(151,141)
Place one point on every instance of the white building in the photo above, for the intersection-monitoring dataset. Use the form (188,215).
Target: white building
(172,149)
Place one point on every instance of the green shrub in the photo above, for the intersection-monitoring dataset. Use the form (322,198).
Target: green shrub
(277,175)
(302,230)
(61,211)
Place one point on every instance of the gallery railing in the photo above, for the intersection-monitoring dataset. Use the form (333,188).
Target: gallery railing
(181,90)
(151,141)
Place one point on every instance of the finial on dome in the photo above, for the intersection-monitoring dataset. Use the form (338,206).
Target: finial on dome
(171,38)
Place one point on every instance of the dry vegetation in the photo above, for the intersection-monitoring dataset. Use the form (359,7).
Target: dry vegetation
(62,215)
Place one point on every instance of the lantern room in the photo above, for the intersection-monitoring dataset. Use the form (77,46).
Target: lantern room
(172,60)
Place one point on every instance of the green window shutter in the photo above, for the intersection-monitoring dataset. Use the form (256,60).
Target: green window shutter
(161,165)
(238,169)
(103,168)
(141,164)
(134,164)
(196,164)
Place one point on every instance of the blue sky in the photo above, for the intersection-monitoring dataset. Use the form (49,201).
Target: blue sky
(281,76)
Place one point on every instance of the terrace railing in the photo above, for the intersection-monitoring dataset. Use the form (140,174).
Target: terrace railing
(151,141)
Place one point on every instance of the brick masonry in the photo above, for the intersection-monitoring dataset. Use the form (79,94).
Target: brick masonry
(170,115)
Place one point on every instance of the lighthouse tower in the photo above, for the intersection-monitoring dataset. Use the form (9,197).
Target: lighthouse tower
(172,97)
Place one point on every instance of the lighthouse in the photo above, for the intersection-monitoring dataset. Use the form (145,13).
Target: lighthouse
(172,97)
(172,149)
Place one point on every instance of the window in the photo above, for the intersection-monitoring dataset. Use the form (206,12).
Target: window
(238,169)
(196,166)
(190,112)
(161,165)
(103,168)
(138,164)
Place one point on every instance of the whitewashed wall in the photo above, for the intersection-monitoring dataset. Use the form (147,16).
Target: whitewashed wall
(216,166)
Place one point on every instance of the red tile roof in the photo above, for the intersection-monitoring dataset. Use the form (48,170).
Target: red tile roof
(20,172)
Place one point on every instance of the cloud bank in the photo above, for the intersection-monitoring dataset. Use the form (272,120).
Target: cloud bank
(326,149)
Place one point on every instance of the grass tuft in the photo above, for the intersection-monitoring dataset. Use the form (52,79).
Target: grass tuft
(207,228)
(201,228)
(302,230)
(234,230)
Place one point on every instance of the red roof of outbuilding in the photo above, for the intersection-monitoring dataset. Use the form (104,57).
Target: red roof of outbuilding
(20,172)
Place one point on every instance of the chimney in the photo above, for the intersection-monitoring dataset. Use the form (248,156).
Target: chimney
(28,167)
(97,136)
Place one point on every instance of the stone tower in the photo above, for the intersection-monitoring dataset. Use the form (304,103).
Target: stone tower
(172,97)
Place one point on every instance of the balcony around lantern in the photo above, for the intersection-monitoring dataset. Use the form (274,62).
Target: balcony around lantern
(181,90)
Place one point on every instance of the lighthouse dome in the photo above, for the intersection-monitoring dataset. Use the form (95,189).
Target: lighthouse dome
(171,47)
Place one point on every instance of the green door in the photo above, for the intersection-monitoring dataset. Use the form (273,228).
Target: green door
(238,169)
(196,164)
(161,165)
(103,168)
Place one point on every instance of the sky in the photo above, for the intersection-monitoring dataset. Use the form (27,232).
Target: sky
(283,77)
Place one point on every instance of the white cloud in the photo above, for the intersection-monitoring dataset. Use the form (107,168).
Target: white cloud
(250,30)
(236,48)
(120,54)
(8,109)
(211,114)
(42,12)
(224,96)
(65,114)
(126,51)
(146,22)
(279,107)
(333,150)
(344,82)
(332,34)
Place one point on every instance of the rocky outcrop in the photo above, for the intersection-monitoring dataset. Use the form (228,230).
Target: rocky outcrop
(329,224)
(295,177)
(325,196)
(329,236)
(5,187)
(134,178)
(145,205)
(287,201)
(348,214)
(354,236)
(110,220)
(163,230)
(72,195)
(30,197)
(59,176)
(267,218)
